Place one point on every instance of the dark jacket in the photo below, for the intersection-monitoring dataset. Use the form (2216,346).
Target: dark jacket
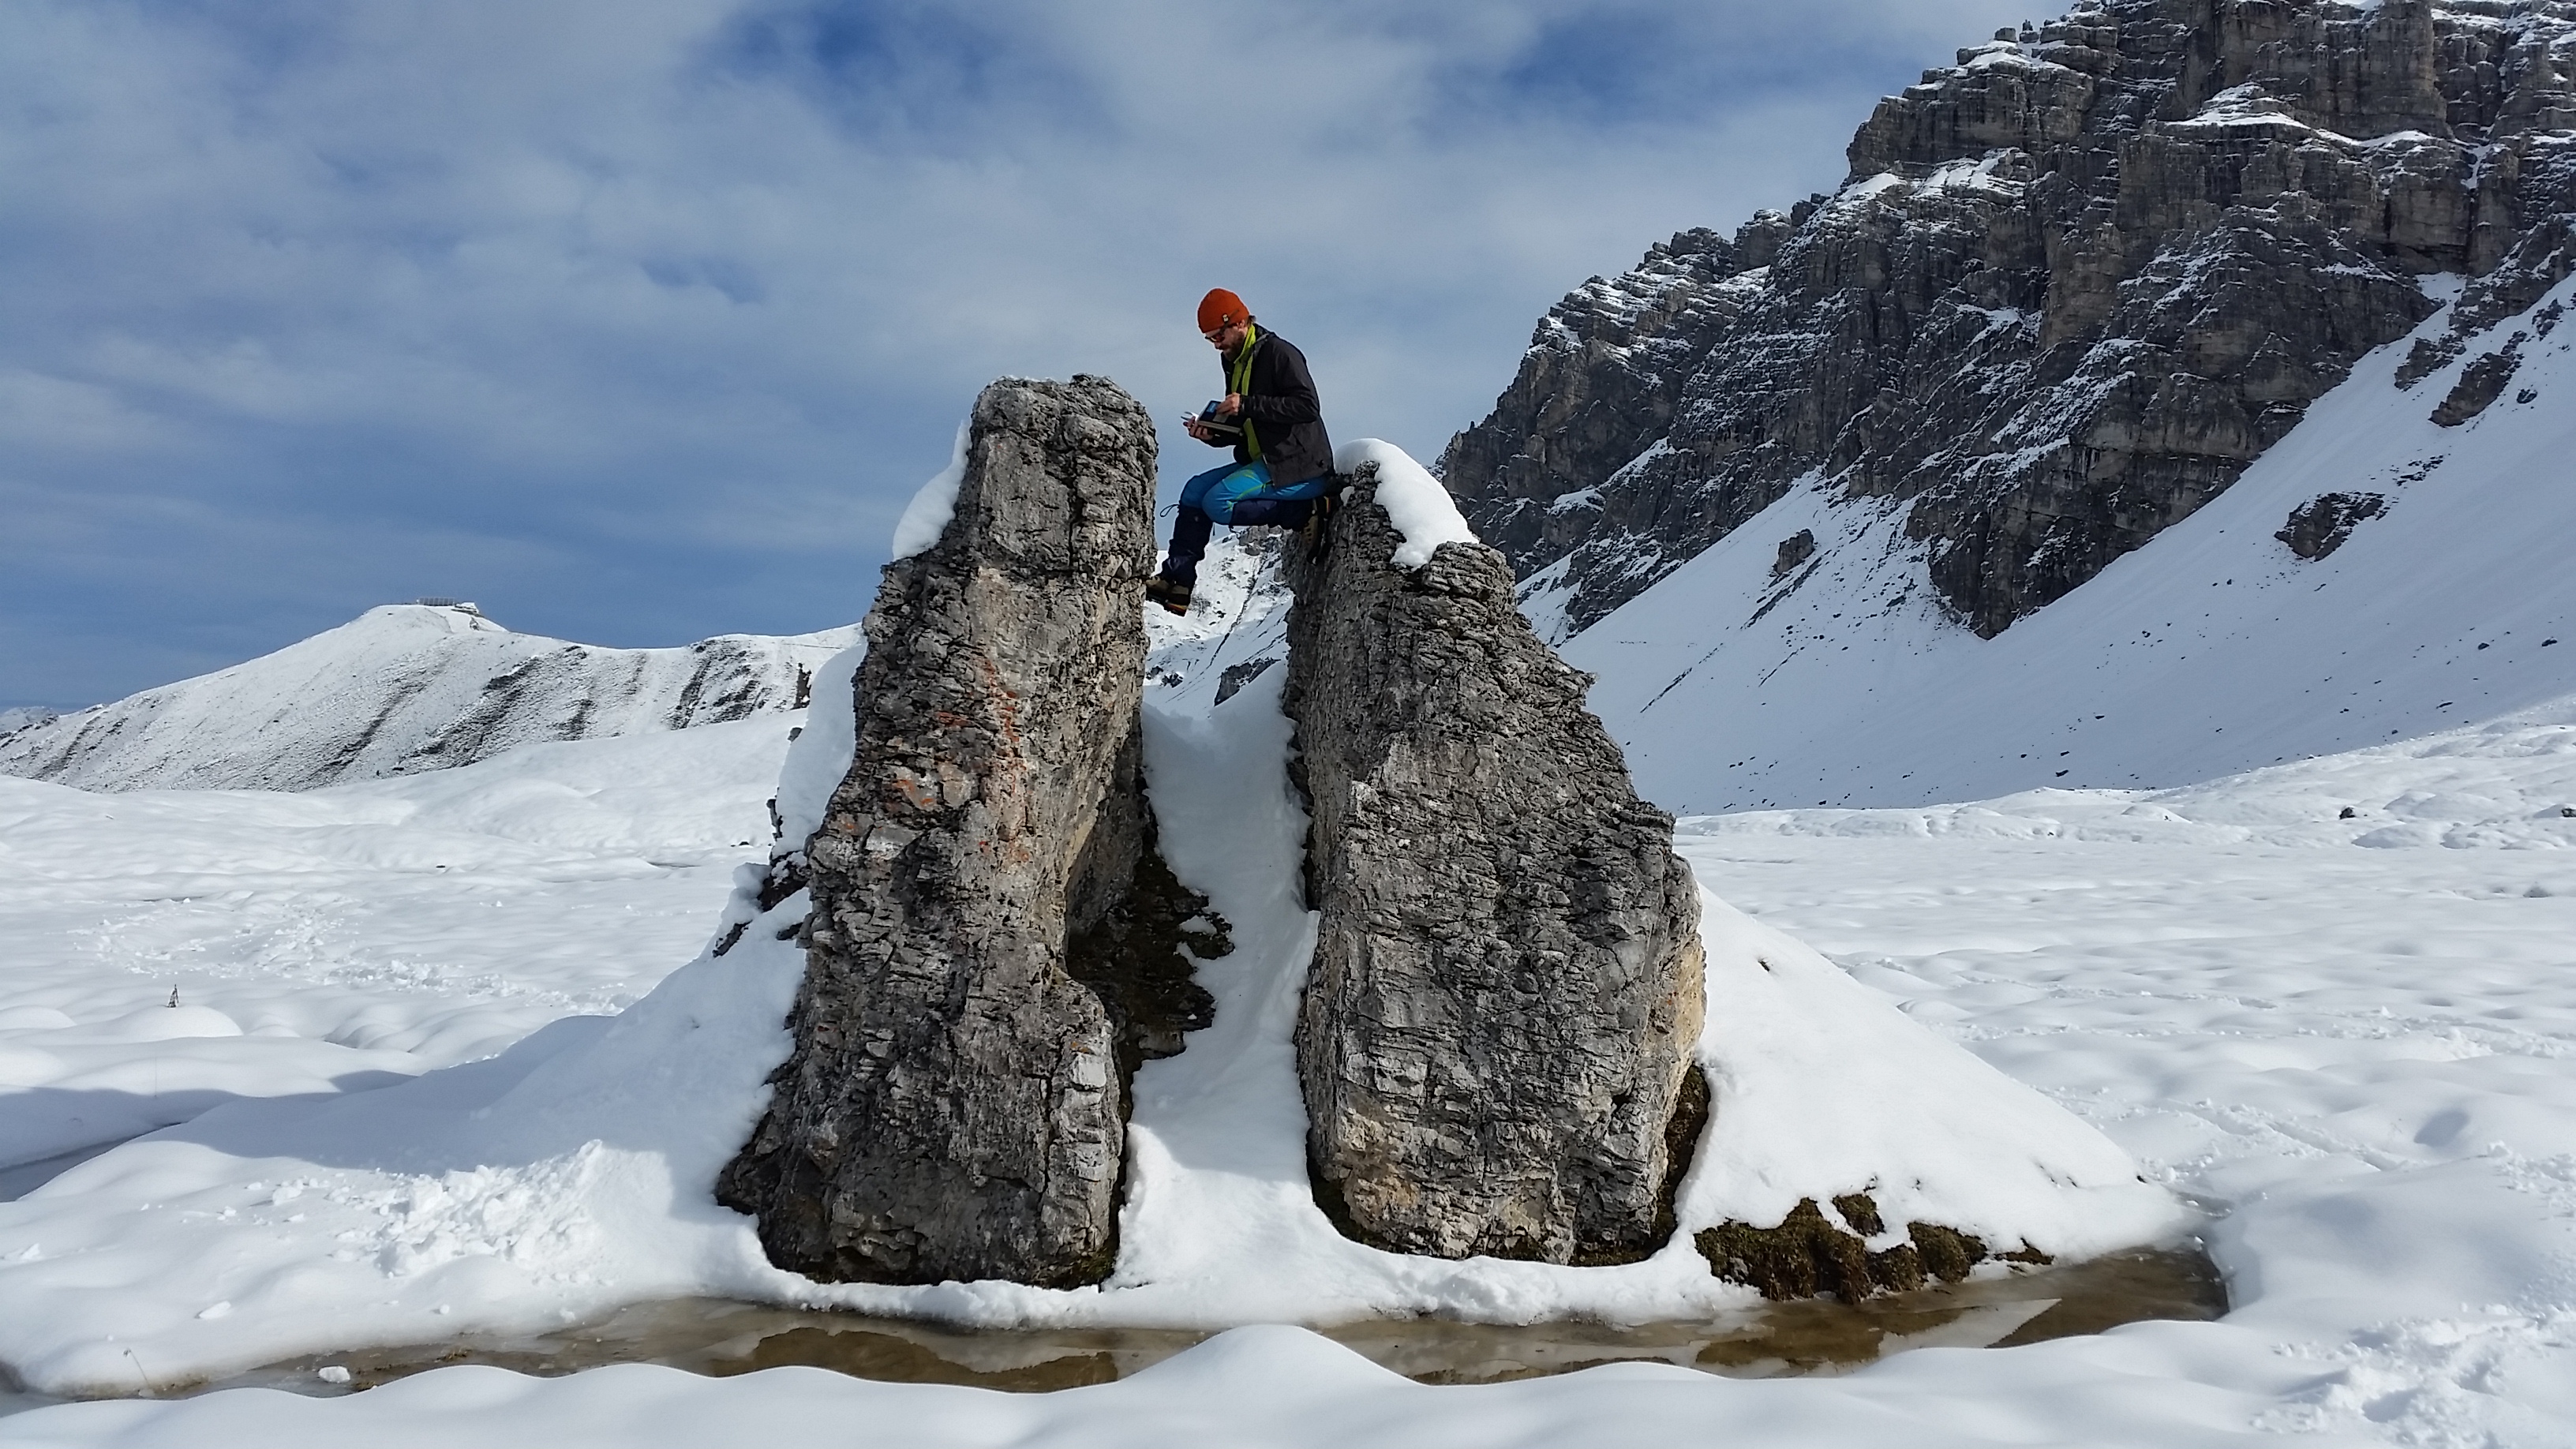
(1285,413)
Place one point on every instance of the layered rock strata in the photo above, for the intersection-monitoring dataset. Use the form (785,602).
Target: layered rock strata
(955,1107)
(2073,286)
(1495,1040)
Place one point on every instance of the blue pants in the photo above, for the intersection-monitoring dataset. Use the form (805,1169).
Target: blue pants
(1237,495)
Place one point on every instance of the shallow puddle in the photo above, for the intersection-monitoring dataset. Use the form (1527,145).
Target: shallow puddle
(718,1337)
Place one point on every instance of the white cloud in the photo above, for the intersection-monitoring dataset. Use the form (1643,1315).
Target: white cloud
(648,287)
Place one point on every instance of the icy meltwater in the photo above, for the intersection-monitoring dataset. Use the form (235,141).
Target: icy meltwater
(721,1338)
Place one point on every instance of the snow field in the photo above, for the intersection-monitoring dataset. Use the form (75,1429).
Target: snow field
(2361,1055)
(328,941)
(2356,1052)
(574,1172)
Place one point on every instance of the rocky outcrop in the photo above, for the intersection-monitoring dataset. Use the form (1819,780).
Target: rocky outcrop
(1495,1041)
(1796,549)
(2074,285)
(2319,526)
(2480,384)
(955,1106)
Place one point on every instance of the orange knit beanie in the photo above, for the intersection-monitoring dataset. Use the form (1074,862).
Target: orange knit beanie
(1220,307)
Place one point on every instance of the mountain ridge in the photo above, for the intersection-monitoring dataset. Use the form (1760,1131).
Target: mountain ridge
(2075,284)
(2229,642)
(401,689)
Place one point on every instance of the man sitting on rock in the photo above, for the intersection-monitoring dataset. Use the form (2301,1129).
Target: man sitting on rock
(1282,457)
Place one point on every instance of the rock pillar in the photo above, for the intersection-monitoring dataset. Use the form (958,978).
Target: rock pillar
(955,1107)
(1496,1039)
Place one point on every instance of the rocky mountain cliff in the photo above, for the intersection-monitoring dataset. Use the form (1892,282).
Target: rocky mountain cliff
(406,688)
(2073,286)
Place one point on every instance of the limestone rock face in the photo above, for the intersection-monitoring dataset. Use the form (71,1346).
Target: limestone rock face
(955,1107)
(2073,286)
(1495,1042)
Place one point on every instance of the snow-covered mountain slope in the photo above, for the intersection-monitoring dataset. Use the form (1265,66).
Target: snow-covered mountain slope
(1236,629)
(1738,682)
(2071,287)
(25,717)
(402,689)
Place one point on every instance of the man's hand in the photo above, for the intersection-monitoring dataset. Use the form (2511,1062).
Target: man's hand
(1198,430)
(1231,407)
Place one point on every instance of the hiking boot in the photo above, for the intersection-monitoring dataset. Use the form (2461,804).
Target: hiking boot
(1171,593)
(1318,521)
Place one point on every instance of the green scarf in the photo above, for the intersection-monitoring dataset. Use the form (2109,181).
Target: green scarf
(1239,382)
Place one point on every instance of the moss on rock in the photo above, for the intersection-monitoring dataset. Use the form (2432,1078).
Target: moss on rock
(1802,1257)
(1807,1254)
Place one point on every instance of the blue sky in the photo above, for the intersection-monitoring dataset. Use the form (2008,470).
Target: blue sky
(639,320)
